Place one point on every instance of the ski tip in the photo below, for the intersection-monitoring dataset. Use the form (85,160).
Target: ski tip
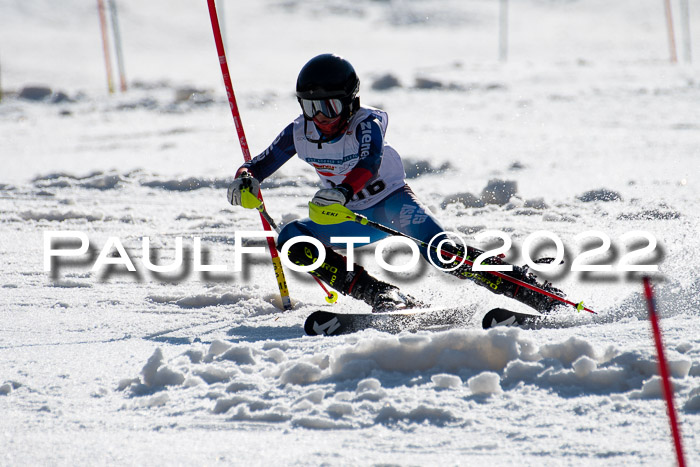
(321,323)
(503,317)
(494,317)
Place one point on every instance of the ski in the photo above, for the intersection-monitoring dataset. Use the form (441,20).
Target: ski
(327,323)
(503,317)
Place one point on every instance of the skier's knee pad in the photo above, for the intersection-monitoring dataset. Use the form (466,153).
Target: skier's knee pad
(303,253)
(289,231)
(333,270)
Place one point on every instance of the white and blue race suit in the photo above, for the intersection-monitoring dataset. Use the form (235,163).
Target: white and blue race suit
(361,158)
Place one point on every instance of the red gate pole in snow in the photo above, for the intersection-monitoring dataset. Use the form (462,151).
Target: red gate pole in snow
(276,261)
(105,45)
(663,371)
(671,34)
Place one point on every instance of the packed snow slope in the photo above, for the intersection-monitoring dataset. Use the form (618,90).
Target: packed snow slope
(587,125)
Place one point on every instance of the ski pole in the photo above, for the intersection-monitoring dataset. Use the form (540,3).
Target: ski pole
(249,200)
(276,261)
(337,213)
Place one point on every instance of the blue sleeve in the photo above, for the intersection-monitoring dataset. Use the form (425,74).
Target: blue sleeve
(369,136)
(280,151)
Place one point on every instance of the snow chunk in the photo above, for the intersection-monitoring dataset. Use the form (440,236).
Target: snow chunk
(155,375)
(467,199)
(239,354)
(583,366)
(158,400)
(432,415)
(275,415)
(300,373)
(446,381)
(237,386)
(340,409)
(186,184)
(192,382)
(212,374)
(569,351)
(370,389)
(125,383)
(276,355)
(499,191)
(55,215)
(518,370)
(679,368)
(195,355)
(218,347)
(102,182)
(450,350)
(487,382)
(35,93)
(602,194)
(693,402)
(386,81)
(651,389)
(369,384)
(223,405)
(314,396)
(415,168)
(71,284)
(318,423)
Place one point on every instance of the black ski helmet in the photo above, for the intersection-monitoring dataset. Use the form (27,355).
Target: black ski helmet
(328,76)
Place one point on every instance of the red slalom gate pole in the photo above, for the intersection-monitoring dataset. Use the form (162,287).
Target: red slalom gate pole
(670,32)
(276,261)
(663,370)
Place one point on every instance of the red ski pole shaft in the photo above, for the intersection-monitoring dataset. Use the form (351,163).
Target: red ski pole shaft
(663,371)
(276,261)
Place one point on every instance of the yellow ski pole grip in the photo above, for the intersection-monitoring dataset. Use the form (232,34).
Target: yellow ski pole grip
(249,200)
(333,214)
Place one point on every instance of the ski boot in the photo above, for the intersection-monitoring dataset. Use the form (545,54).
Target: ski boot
(382,297)
(501,286)
(534,299)
(358,283)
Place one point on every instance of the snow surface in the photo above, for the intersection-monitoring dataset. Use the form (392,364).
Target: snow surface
(111,367)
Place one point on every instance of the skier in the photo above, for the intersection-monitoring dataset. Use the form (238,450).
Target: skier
(344,143)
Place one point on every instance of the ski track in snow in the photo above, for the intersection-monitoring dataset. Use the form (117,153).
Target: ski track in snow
(188,368)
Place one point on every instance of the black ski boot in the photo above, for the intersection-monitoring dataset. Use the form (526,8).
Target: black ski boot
(382,297)
(357,283)
(536,300)
(501,286)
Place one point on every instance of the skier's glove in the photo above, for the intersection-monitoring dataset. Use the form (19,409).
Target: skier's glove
(338,195)
(243,191)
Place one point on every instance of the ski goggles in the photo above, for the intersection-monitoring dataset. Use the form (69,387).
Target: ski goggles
(331,108)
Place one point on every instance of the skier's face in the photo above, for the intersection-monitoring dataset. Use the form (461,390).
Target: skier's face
(327,126)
